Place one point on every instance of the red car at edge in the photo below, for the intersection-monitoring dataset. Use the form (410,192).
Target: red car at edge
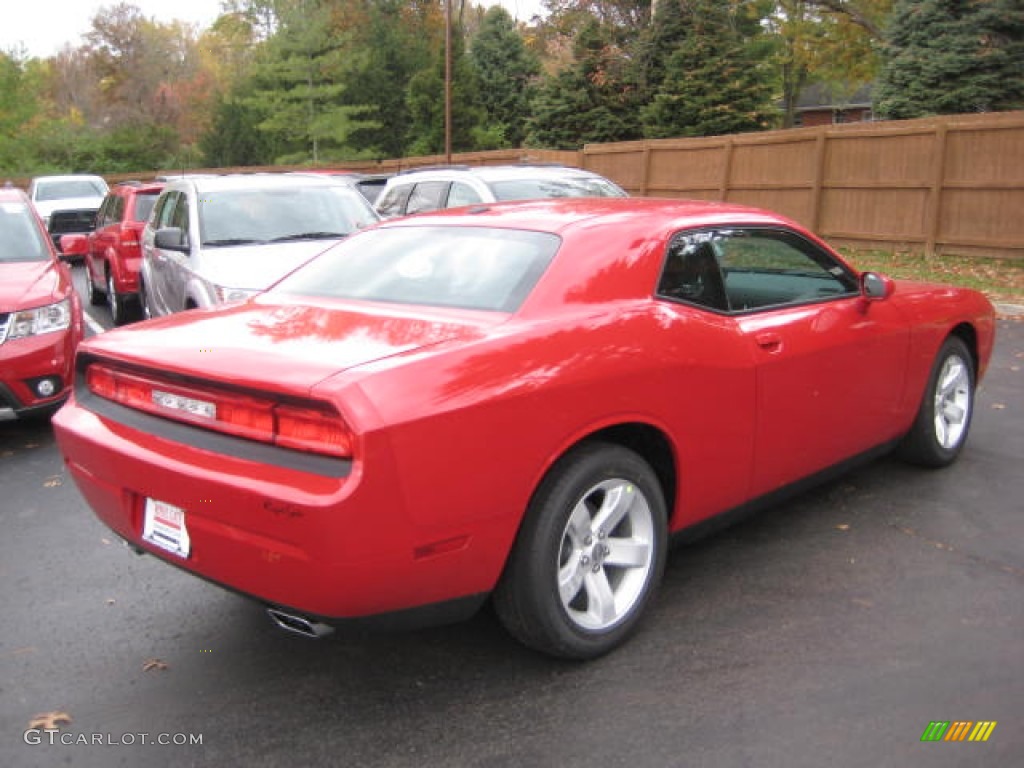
(40,314)
(518,402)
(112,251)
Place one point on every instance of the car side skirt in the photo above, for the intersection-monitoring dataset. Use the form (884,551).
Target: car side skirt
(737,514)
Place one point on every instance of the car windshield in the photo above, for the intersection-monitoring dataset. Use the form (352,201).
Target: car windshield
(61,190)
(230,217)
(534,189)
(468,267)
(20,238)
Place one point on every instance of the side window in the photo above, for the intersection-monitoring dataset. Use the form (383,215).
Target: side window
(103,215)
(427,196)
(767,268)
(392,202)
(165,206)
(462,194)
(115,213)
(179,216)
(744,269)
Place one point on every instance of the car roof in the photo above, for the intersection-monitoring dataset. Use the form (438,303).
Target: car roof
(12,195)
(69,177)
(496,172)
(250,181)
(557,215)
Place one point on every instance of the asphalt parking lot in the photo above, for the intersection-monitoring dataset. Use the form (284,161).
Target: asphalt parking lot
(827,632)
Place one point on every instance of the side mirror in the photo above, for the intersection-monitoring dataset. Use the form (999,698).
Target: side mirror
(170,239)
(72,246)
(876,287)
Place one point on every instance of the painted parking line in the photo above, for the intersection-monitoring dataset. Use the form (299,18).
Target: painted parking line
(93,323)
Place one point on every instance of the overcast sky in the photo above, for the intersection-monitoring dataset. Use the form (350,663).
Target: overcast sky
(43,27)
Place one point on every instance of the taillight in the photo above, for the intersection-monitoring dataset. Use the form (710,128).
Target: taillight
(129,236)
(301,428)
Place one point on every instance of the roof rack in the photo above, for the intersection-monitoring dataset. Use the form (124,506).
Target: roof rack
(441,167)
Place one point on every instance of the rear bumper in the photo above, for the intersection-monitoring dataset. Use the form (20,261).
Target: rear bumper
(331,548)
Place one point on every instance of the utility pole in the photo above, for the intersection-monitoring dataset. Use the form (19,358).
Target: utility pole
(448,82)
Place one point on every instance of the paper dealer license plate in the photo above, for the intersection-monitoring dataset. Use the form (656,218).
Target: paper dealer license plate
(164,526)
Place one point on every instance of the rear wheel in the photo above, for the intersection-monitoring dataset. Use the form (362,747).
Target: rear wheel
(94,297)
(589,556)
(944,418)
(120,308)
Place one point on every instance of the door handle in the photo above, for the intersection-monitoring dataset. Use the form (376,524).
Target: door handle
(769,342)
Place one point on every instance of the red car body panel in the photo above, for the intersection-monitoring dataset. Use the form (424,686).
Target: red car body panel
(456,416)
(26,285)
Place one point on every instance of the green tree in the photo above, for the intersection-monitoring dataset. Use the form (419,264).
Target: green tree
(832,42)
(395,42)
(952,56)
(507,73)
(591,100)
(426,100)
(19,105)
(714,83)
(299,84)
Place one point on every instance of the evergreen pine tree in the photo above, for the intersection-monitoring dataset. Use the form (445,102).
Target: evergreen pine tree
(952,56)
(589,101)
(712,85)
(506,72)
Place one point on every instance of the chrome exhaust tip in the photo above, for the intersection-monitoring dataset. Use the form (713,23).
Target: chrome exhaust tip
(299,624)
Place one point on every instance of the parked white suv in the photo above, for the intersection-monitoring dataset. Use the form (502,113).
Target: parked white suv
(428,189)
(212,239)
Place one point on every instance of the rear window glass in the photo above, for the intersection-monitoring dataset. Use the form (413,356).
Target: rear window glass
(535,189)
(60,190)
(467,267)
(144,205)
(20,237)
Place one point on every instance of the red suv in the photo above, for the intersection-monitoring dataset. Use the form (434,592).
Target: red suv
(40,314)
(112,255)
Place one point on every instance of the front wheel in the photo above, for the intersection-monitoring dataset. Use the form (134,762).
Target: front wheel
(944,418)
(589,556)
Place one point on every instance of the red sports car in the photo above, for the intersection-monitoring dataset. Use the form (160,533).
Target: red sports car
(519,401)
(40,314)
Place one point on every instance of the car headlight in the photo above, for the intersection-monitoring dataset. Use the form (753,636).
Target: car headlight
(33,322)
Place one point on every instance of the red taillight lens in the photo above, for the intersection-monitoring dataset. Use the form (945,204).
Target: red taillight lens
(309,430)
(129,236)
(299,428)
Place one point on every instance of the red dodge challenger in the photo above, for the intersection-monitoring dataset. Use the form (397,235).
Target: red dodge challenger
(520,402)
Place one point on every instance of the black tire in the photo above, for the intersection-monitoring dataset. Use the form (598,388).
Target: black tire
(144,310)
(944,416)
(94,297)
(116,303)
(561,538)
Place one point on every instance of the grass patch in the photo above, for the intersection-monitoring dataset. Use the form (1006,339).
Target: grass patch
(1002,280)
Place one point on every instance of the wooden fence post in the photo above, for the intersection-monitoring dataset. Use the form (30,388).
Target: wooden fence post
(932,221)
(723,187)
(820,147)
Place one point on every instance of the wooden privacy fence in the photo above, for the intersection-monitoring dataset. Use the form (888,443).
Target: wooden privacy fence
(952,184)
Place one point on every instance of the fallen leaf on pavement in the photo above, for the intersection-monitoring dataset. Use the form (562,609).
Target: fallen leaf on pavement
(49,721)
